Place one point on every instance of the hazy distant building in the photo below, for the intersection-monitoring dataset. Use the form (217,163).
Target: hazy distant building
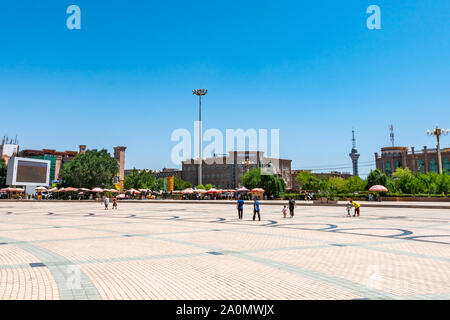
(226,171)
(8,148)
(425,160)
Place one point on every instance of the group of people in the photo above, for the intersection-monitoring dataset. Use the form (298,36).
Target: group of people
(106,202)
(353,204)
(291,205)
(257,211)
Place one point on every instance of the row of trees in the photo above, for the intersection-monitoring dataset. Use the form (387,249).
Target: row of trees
(402,181)
(146,180)
(97,168)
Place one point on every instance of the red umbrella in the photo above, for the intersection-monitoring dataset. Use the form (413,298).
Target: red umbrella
(258,190)
(212,190)
(243,189)
(378,188)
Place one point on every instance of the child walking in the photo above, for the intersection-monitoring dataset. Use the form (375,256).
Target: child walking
(284,212)
(349,209)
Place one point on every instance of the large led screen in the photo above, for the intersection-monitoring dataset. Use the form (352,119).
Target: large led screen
(31,172)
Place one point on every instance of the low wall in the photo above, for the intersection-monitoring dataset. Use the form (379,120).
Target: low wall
(421,199)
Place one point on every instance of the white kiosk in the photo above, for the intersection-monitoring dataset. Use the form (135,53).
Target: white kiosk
(29,173)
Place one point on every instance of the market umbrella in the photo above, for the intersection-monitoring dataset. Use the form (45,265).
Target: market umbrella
(188,191)
(113,191)
(41,189)
(53,189)
(84,190)
(20,190)
(70,189)
(121,196)
(243,189)
(378,188)
(212,190)
(200,191)
(131,191)
(8,189)
(258,190)
(97,190)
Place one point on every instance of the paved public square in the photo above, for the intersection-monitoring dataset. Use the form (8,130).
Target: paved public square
(62,250)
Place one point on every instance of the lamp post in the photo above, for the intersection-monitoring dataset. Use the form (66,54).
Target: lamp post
(438,132)
(200,93)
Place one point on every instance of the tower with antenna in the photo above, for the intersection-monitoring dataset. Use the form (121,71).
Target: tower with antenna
(354,155)
(391,134)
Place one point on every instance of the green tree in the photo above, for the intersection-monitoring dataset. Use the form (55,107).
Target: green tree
(272,184)
(376,177)
(94,168)
(3,170)
(208,186)
(354,184)
(179,184)
(159,185)
(200,186)
(308,181)
(140,180)
(405,181)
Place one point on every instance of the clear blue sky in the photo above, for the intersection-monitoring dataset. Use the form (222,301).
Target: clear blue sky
(310,68)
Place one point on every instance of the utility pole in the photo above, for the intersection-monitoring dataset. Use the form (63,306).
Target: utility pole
(438,132)
(200,93)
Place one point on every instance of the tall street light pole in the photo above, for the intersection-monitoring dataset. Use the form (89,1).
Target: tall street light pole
(438,132)
(200,93)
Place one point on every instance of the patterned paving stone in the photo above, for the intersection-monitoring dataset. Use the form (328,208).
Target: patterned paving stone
(202,251)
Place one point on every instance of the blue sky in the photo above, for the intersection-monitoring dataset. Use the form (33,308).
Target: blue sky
(310,68)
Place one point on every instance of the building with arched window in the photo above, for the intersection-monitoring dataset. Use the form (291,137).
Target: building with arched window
(425,160)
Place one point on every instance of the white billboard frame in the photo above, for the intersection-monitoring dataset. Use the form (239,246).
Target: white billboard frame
(11,176)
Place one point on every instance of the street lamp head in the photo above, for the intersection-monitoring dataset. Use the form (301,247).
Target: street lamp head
(200,92)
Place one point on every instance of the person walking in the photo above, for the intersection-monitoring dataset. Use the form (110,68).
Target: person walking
(115,203)
(240,208)
(256,209)
(106,202)
(291,206)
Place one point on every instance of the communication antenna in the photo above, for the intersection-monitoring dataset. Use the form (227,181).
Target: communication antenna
(391,130)
(353,139)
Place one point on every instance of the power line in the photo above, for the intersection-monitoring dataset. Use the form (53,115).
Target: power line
(338,165)
(335,168)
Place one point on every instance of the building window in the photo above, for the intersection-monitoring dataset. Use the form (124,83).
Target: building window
(433,165)
(388,168)
(446,165)
(421,165)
